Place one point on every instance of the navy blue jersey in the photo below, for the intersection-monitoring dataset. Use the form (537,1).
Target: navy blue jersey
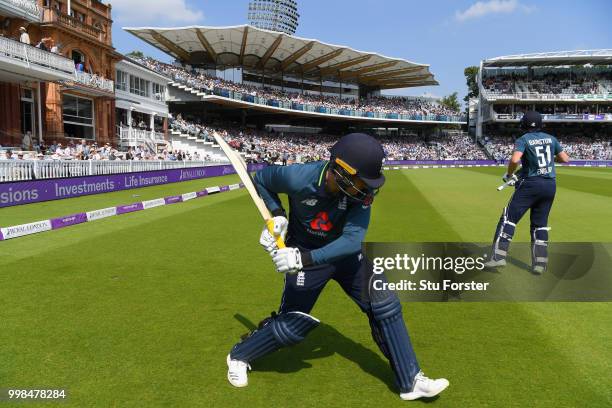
(330,226)
(539,150)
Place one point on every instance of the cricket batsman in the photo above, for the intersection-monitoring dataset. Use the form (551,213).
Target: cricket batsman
(329,212)
(535,189)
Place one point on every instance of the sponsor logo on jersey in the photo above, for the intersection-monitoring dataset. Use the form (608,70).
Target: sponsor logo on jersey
(342,203)
(321,222)
(311,202)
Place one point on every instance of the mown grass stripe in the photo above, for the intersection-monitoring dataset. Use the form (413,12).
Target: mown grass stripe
(586,184)
(405,210)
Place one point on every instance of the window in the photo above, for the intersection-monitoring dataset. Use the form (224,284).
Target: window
(78,58)
(78,117)
(139,86)
(27,111)
(121,83)
(159,92)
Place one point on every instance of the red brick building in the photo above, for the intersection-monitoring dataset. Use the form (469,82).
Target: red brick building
(61,95)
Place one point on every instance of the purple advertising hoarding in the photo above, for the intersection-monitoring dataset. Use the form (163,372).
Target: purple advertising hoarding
(16,231)
(591,163)
(124,209)
(173,199)
(578,163)
(62,222)
(439,162)
(26,192)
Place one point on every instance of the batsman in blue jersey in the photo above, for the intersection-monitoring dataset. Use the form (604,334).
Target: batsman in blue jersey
(329,212)
(535,189)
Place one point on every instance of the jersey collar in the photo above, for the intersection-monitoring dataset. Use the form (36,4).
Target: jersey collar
(321,182)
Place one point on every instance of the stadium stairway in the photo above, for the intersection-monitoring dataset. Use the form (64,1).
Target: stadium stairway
(186,142)
(191,144)
(185,92)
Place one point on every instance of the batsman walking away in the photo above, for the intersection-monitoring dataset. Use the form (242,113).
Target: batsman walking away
(535,189)
(329,213)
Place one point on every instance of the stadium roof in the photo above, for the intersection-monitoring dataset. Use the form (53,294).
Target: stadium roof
(257,49)
(580,57)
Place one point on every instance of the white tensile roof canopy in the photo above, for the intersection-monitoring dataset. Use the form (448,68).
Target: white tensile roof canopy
(275,53)
(557,58)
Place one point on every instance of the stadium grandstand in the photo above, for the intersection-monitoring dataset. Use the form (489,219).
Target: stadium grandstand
(572,89)
(287,78)
(251,78)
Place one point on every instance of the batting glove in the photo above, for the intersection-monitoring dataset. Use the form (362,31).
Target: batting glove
(268,239)
(510,179)
(287,260)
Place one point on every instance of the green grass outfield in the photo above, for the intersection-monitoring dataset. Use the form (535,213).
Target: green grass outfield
(140,310)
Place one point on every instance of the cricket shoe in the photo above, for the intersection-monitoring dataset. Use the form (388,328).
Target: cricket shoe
(495,263)
(425,387)
(237,372)
(538,270)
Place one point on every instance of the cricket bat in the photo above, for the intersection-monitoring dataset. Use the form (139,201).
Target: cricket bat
(506,184)
(510,182)
(241,168)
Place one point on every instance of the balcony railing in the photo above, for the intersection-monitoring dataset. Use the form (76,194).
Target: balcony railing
(54,16)
(139,135)
(315,108)
(28,7)
(95,81)
(559,116)
(21,170)
(180,81)
(34,56)
(492,96)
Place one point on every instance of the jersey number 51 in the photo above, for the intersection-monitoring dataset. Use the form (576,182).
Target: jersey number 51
(544,157)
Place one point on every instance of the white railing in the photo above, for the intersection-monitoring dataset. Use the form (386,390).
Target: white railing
(22,170)
(35,56)
(95,81)
(492,95)
(28,6)
(140,135)
(559,116)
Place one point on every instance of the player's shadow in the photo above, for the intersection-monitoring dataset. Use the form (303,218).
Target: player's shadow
(324,341)
(519,264)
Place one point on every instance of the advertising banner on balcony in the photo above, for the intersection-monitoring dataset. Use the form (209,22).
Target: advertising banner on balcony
(26,192)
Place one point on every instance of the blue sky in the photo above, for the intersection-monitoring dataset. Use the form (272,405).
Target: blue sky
(448,35)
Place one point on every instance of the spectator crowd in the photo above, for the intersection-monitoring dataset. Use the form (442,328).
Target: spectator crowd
(207,83)
(90,150)
(275,147)
(577,147)
(551,83)
(289,147)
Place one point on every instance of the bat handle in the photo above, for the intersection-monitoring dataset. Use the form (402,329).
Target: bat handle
(279,240)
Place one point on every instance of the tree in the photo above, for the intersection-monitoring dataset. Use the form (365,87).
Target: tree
(470,77)
(135,54)
(451,102)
